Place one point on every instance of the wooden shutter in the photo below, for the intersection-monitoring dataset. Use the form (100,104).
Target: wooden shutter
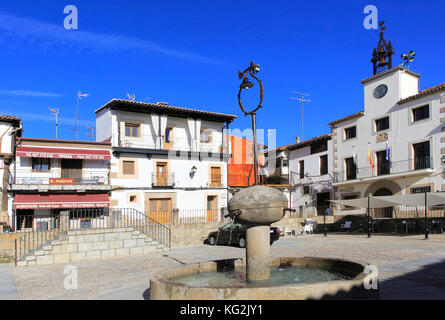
(128,167)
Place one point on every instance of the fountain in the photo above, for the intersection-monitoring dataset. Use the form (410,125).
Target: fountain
(258,276)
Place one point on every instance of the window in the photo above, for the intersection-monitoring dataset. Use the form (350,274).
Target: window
(133,198)
(206,136)
(301,169)
(420,189)
(285,162)
(351,169)
(421,113)
(350,133)
(383,165)
(306,190)
(324,164)
(132,130)
(421,155)
(128,168)
(168,132)
(41,165)
(382,124)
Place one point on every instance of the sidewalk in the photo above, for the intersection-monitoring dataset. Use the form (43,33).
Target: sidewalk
(8,290)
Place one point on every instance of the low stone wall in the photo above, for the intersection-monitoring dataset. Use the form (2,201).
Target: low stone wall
(193,234)
(7,241)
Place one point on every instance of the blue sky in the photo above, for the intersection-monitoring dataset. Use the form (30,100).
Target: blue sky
(188,53)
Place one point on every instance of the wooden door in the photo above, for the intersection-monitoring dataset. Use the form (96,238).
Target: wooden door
(161,174)
(160,210)
(211,208)
(215,177)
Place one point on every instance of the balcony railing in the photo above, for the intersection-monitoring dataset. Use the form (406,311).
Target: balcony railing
(162,180)
(60,177)
(176,143)
(386,168)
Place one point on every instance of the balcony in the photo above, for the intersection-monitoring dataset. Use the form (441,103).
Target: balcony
(163,180)
(405,167)
(176,143)
(56,179)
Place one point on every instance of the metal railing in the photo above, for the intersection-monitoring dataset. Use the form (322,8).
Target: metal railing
(198,216)
(385,168)
(175,143)
(36,233)
(60,177)
(163,180)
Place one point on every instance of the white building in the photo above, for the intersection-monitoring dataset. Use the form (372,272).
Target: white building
(50,176)
(166,158)
(10,129)
(396,145)
(310,170)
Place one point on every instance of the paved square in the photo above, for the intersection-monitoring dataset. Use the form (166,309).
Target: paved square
(410,267)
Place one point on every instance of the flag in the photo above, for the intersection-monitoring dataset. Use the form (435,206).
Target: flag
(370,160)
(388,155)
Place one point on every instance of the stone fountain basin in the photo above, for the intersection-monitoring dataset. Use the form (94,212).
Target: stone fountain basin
(163,288)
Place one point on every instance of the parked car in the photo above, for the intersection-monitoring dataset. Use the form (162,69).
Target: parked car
(6,228)
(235,234)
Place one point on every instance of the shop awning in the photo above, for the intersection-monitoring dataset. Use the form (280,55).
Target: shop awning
(61,201)
(63,153)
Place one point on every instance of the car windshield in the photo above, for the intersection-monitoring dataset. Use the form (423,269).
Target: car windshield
(229,225)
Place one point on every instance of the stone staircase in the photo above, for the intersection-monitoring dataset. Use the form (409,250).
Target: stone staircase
(81,245)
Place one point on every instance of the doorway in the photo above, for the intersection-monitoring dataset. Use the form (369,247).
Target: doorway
(383,212)
(161,174)
(160,210)
(212,207)
(71,169)
(323,202)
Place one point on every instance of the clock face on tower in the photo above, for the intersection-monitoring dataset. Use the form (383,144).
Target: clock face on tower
(380,91)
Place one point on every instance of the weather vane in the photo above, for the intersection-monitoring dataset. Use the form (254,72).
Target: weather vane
(246,84)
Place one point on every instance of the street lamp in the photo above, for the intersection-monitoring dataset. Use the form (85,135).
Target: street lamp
(246,84)
(56,112)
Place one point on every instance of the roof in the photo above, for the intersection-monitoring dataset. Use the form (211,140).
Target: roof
(282,148)
(423,93)
(164,108)
(390,71)
(9,119)
(307,142)
(350,117)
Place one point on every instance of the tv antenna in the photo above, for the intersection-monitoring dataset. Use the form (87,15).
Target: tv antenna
(131,97)
(91,134)
(302,99)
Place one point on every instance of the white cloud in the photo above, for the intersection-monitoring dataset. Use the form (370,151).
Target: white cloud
(30,93)
(34,117)
(45,35)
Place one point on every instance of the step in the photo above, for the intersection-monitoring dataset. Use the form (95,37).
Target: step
(30,258)
(39,252)
(22,263)
(47,247)
(56,242)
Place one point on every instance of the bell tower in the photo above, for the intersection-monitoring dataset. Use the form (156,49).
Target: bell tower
(382,55)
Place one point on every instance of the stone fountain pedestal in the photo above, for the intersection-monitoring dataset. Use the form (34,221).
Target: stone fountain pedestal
(258,207)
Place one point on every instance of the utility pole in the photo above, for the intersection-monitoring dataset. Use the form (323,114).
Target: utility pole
(56,112)
(303,100)
(79,97)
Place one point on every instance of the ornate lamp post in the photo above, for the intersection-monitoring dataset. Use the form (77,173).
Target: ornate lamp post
(246,84)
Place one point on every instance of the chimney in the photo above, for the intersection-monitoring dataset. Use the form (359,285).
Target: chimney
(297,140)
(164,104)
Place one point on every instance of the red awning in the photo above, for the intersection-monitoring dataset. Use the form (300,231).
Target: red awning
(61,201)
(39,152)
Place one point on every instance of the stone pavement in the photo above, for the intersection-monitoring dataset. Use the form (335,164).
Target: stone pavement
(410,268)
(8,290)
